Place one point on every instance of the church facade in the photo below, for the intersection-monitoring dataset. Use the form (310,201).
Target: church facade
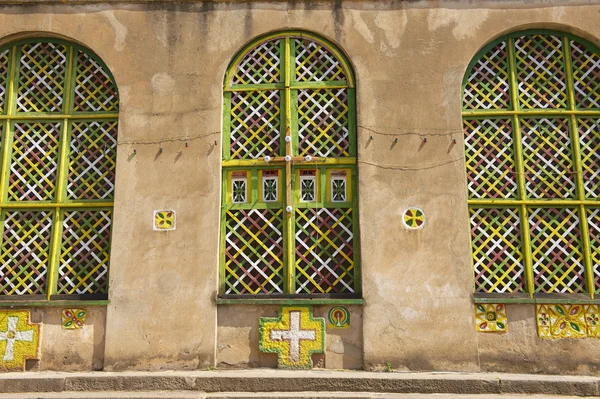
(377,185)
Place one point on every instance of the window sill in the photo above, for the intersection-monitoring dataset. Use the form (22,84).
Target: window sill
(34,303)
(289,301)
(574,299)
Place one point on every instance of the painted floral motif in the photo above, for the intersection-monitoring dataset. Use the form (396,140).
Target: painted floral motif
(164,220)
(491,317)
(567,321)
(413,218)
(295,335)
(19,340)
(592,316)
(339,317)
(73,319)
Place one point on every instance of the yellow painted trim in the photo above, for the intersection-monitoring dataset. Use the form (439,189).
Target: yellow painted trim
(298,188)
(545,112)
(281,161)
(537,202)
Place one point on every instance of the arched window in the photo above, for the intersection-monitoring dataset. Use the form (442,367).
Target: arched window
(531,115)
(289,205)
(58,129)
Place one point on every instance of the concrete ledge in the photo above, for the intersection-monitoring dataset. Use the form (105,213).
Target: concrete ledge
(300,382)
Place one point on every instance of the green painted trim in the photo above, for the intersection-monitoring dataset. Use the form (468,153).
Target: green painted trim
(537,300)
(290,302)
(29,304)
(501,113)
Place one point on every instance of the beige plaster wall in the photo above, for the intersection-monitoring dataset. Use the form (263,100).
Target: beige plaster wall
(409,58)
(69,350)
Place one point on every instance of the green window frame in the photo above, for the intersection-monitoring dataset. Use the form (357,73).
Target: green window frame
(58,124)
(289,121)
(531,117)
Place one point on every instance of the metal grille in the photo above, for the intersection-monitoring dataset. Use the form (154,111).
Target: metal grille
(260,65)
(254,252)
(25,252)
(316,63)
(586,73)
(589,147)
(496,249)
(41,77)
(487,84)
(489,158)
(556,250)
(92,160)
(94,89)
(34,161)
(254,124)
(593,215)
(324,251)
(547,158)
(84,253)
(323,122)
(540,71)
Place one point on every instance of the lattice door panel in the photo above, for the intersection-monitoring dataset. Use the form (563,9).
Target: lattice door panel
(497,250)
(94,89)
(589,150)
(92,162)
(547,158)
(323,123)
(260,65)
(489,151)
(4,63)
(316,63)
(324,251)
(556,250)
(593,215)
(42,70)
(586,76)
(25,252)
(487,86)
(34,161)
(84,257)
(255,124)
(540,71)
(254,261)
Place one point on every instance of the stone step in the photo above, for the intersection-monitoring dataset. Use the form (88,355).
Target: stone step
(263,395)
(300,383)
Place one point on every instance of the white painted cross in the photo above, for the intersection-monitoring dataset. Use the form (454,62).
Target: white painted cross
(11,336)
(294,335)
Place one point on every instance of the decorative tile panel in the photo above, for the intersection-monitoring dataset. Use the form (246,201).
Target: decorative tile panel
(491,317)
(19,339)
(295,335)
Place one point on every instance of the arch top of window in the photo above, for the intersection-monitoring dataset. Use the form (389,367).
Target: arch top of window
(497,58)
(265,63)
(71,70)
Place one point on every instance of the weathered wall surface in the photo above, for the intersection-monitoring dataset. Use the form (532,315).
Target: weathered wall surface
(69,350)
(409,57)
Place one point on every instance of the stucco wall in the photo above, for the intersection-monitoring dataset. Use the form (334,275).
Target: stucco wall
(409,58)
